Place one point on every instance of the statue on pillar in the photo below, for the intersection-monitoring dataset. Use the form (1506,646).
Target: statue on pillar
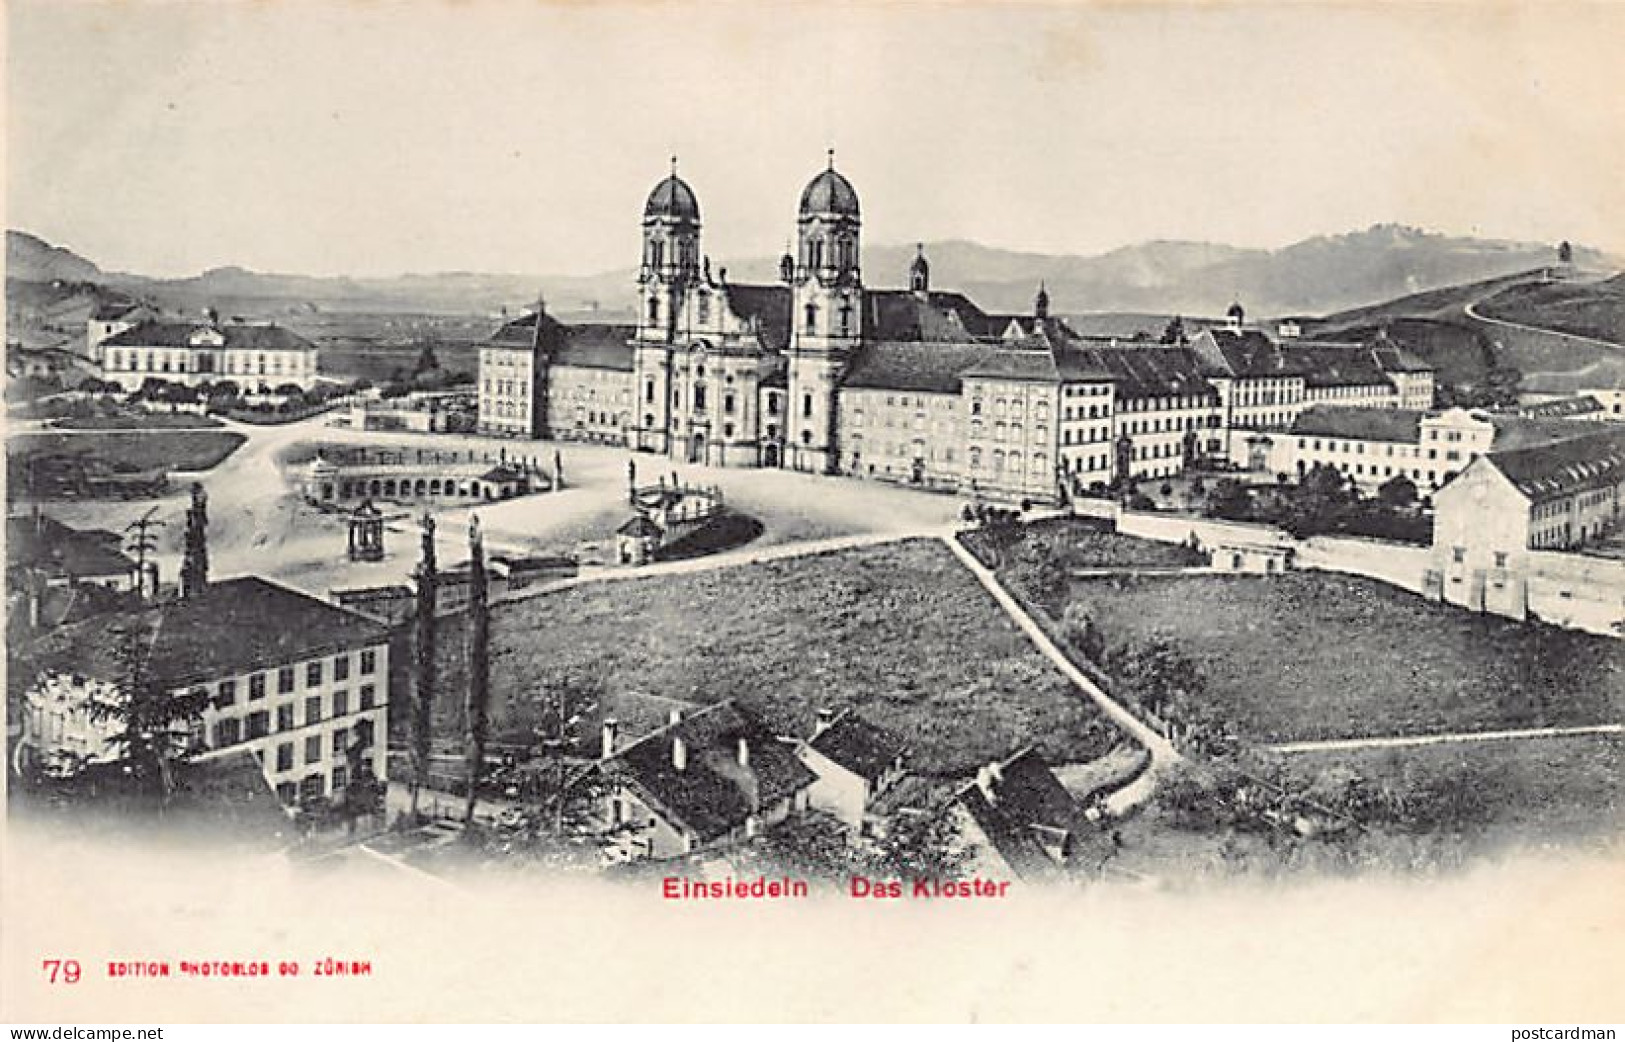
(367,533)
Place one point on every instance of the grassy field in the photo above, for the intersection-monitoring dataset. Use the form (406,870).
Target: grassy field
(1082,543)
(1585,309)
(1316,655)
(152,421)
(131,451)
(903,631)
(1467,802)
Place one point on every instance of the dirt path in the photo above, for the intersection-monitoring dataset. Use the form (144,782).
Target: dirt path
(1409,741)
(1163,753)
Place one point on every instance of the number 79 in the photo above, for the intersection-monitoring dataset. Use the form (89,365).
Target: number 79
(61,971)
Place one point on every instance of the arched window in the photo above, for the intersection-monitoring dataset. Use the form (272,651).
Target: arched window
(812,317)
(654,310)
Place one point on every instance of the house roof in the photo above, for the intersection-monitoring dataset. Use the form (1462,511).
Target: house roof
(230,794)
(903,315)
(46,543)
(765,307)
(1545,472)
(1149,371)
(596,347)
(714,793)
(859,746)
(639,527)
(1250,354)
(1022,805)
(237,626)
(1397,425)
(238,336)
(913,366)
(1016,364)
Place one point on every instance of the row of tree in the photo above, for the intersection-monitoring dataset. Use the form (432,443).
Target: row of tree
(1325,501)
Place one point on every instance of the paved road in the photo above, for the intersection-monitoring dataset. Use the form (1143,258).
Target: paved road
(1407,741)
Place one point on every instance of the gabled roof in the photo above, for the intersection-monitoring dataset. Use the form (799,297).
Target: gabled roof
(1549,471)
(238,336)
(237,626)
(46,543)
(713,793)
(1021,809)
(520,333)
(1396,425)
(903,315)
(859,746)
(639,527)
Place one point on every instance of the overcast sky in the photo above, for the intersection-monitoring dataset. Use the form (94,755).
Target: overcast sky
(379,138)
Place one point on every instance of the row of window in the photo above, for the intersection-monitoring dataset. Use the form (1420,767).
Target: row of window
(1011,407)
(1011,462)
(226,690)
(229,730)
(1074,436)
(205,362)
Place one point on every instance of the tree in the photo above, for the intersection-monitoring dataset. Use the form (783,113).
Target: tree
(1159,674)
(1174,331)
(1565,252)
(426,363)
(1320,503)
(479,667)
(154,725)
(1397,493)
(565,802)
(1229,500)
(1083,633)
(921,845)
(195,562)
(424,622)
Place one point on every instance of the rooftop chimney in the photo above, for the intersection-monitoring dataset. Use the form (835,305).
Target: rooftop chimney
(674,717)
(826,716)
(984,782)
(610,726)
(679,753)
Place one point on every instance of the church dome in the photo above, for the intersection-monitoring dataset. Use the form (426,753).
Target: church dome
(673,199)
(829,193)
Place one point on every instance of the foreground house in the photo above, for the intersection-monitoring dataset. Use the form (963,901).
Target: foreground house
(855,762)
(1020,822)
(298,683)
(708,779)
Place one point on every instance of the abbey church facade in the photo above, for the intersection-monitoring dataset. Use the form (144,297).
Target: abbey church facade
(822,374)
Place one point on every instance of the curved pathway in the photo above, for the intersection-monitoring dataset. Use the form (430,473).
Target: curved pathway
(1471,310)
(1162,750)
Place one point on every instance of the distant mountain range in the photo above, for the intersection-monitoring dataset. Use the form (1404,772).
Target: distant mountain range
(1316,276)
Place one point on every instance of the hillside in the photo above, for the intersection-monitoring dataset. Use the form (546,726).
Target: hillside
(1594,309)
(1315,276)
